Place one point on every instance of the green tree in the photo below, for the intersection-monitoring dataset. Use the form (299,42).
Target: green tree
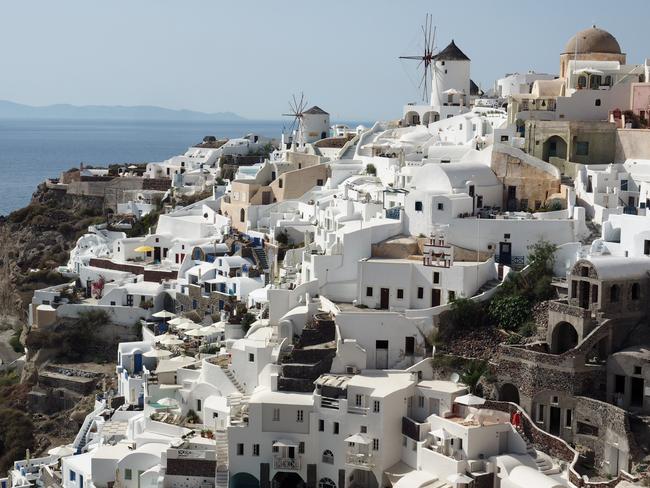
(472,374)
(509,311)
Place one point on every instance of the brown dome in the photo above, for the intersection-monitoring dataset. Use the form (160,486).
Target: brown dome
(592,40)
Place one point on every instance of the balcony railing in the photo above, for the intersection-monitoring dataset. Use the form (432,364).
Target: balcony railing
(286,463)
(357,409)
(360,460)
(327,402)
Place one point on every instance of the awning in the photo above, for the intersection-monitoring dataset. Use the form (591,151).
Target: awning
(359,439)
(143,249)
(285,443)
(470,400)
(164,314)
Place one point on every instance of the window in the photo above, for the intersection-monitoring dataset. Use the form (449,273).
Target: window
(375,406)
(540,413)
(319,182)
(335,428)
(358,400)
(321,425)
(637,370)
(301,448)
(299,415)
(276,415)
(597,103)
(614,293)
(479,201)
(555,400)
(451,296)
(280,183)
(195,304)
(436,277)
(242,215)
(256,449)
(568,418)
(504,138)
(646,247)
(636,291)
(328,457)
(375,444)
(363,429)
(275,448)
(326,482)
(128,474)
(418,206)
(240,449)
(420,292)
(251,358)
(400,293)
(129,300)
(623,185)
(441,206)
(420,401)
(73,475)
(369,291)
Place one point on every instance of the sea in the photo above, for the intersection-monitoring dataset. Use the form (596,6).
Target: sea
(33,150)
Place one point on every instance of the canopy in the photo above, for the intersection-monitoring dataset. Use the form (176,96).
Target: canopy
(171,341)
(143,249)
(178,321)
(470,400)
(164,314)
(197,333)
(458,478)
(188,326)
(358,439)
(157,353)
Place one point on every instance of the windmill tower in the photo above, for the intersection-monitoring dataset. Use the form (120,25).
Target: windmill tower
(445,77)
(297,108)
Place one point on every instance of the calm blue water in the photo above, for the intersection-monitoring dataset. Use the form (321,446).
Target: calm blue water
(32,150)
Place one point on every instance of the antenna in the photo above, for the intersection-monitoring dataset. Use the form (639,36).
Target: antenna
(427,56)
(297,107)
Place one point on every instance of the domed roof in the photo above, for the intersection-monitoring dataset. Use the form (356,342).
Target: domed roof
(592,40)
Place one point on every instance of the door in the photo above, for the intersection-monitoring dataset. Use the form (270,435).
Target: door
(554,423)
(384,298)
(81,481)
(266,197)
(156,254)
(381,354)
(409,346)
(511,202)
(435,297)
(636,391)
(505,253)
(291,452)
(137,362)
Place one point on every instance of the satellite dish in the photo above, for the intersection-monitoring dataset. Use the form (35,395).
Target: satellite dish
(455,377)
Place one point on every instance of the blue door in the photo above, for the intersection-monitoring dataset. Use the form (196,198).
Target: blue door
(137,362)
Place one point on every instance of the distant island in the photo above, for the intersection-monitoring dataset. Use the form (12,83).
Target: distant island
(12,110)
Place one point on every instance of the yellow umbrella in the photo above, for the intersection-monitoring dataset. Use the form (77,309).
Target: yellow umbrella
(143,249)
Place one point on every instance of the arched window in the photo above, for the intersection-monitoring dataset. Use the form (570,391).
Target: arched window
(636,291)
(326,483)
(608,80)
(614,293)
(328,457)
(280,183)
(242,215)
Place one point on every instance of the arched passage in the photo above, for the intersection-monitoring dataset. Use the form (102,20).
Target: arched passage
(554,147)
(412,118)
(509,393)
(283,479)
(430,117)
(564,338)
(244,480)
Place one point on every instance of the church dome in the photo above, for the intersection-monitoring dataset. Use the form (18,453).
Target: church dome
(592,40)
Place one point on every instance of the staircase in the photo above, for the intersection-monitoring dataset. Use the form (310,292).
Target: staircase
(233,379)
(222,475)
(543,461)
(260,257)
(81,439)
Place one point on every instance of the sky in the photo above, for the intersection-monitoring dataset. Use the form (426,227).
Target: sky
(249,57)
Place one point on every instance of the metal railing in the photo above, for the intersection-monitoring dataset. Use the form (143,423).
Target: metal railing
(286,463)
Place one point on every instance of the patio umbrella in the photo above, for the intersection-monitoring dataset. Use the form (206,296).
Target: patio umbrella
(61,451)
(178,321)
(171,341)
(197,333)
(470,400)
(157,353)
(164,314)
(458,479)
(441,434)
(188,326)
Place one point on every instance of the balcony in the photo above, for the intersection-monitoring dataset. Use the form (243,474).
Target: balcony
(358,410)
(326,402)
(286,463)
(360,460)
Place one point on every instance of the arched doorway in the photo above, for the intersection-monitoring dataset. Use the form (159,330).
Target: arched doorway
(412,118)
(509,393)
(554,147)
(283,479)
(564,338)
(430,117)
(244,480)
(326,483)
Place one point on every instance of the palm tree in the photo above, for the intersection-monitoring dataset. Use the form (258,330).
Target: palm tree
(474,371)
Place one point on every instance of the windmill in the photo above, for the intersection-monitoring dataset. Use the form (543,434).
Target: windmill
(427,57)
(297,107)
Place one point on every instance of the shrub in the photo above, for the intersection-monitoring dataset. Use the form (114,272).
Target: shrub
(16,436)
(371,170)
(15,344)
(472,374)
(509,311)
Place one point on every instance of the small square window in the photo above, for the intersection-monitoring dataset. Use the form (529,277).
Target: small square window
(335,428)
(364,429)
(436,277)
(637,369)
(420,292)
(369,291)
(582,148)
(504,138)
(240,449)
(321,425)
(597,103)
(441,206)
(418,206)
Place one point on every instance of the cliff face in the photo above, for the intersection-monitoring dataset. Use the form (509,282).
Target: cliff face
(36,239)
